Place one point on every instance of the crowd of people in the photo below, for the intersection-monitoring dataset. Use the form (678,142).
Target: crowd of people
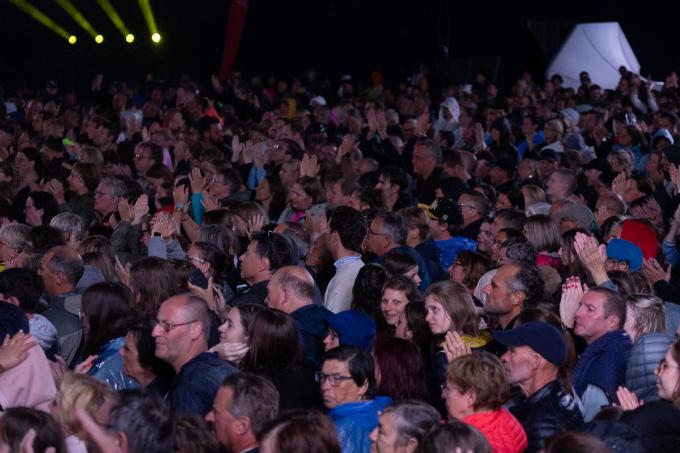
(304,265)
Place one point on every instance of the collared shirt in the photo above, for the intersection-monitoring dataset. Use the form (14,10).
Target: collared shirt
(346,259)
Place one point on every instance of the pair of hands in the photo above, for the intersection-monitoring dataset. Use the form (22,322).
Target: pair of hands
(134,214)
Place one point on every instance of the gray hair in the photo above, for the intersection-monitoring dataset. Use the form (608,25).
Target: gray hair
(68,262)
(412,419)
(649,313)
(13,235)
(432,148)
(116,186)
(253,396)
(69,223)
(529,281)
(394,226)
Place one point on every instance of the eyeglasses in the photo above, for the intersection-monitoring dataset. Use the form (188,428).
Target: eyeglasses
(333,379)
(616,263)
(463,205)
(167,326)
(198,260)
(100,194)
(373,233)
(663,365)
(141,156)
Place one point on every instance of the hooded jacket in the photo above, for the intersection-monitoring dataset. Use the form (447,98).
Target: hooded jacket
(355,421)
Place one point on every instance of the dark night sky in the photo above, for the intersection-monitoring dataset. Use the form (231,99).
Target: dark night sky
(284,38)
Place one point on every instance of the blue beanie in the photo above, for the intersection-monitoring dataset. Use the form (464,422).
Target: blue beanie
(354,328)
(622,250)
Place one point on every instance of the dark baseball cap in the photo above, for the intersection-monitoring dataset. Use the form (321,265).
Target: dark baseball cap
(504,163)
(444,210)
(543,338)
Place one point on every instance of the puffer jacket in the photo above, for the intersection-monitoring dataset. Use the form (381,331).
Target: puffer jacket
(549,411)
(645,356)
(501,429)
(108,366)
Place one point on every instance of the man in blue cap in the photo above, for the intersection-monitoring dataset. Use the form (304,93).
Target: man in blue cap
(536,351)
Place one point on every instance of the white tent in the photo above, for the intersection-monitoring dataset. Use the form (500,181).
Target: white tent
(599,48)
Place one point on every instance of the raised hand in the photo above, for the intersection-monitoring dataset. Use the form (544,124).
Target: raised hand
(255,223)
(627,399)
(653,271)
(140,209)
(620,184)
(124,210)
(197,180)
(572,292)
(236,148)
(422,124)
(592,256)
(14,350)
(123,273)
(209,202)
(57,190)
(454,346)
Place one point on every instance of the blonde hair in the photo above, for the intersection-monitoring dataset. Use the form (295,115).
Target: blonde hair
(79,391)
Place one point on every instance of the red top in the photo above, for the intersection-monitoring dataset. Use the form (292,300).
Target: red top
(501,429)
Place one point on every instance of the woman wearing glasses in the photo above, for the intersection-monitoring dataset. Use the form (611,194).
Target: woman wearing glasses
(657,422)
(348,385)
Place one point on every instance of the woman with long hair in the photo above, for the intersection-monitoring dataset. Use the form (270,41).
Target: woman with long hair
(275,351)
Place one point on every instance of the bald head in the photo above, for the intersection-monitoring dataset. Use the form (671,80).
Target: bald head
(290,288)
(193,307)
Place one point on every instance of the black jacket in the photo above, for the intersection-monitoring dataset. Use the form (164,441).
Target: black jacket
(658,424)
(549,411)
(255,294)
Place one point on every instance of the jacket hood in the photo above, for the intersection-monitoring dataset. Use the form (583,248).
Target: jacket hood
(451,104)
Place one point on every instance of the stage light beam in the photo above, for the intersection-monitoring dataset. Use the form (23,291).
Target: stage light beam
(147,12)
(111,13)
(77,16)
(38,15)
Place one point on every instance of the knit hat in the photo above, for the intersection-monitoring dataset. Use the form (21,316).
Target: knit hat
(622,250)
(354,328)
(543,338)
(642,235)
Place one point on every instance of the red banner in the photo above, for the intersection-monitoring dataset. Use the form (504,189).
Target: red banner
(232,36)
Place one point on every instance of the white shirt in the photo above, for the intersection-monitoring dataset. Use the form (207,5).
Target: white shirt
(338,295)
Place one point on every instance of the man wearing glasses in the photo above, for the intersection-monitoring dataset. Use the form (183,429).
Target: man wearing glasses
(181,331)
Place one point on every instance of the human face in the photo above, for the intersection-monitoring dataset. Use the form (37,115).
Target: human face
(485,237)
(75,182)
(498,295)
(23,164)
(457,272)
(458,403)
(222,421)
(195,258)
(299,199)
(469,211)
(592,175)
(143,160)
(376,241)
(335,197)
(218,187)
(423,162)
(130,355)
(392,305)
(437,317)
(332,340)
(34,216)
(232,330)
(667,376)
(590,321)
(104,202)
(288,176)
(629,325)
(503,202)
(172,346)
(517,363)
(384,437)
(344,389)
(414,274)
(251,263)
(275,294)
(263,191)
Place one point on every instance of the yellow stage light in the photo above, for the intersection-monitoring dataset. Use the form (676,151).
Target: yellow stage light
(38,15)
(156,38)
(99,39)
(111,13)
(129,38)
(77,16)
(72,39)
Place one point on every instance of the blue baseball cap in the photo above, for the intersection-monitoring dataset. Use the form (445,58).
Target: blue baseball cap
(622,250)
(543,338)
(354,328)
